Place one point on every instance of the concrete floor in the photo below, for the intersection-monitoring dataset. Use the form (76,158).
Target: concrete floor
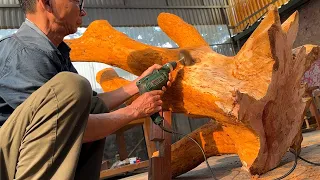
(229,167)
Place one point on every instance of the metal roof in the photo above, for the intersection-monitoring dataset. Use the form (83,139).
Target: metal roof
(288,7)
(131,12)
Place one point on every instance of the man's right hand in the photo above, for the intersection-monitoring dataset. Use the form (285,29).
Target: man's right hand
(147,104)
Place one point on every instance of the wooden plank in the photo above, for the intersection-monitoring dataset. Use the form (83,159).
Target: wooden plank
(151,147)
(121,142)
(314,111)
(156,133)
(123,169)
(166,145)
(160,167)
(155,168)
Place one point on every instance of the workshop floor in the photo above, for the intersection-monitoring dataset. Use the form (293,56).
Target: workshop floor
(229,167)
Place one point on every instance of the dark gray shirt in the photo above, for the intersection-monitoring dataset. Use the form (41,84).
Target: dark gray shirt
(28,59)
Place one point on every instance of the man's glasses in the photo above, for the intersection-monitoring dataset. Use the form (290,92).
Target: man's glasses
(81,5)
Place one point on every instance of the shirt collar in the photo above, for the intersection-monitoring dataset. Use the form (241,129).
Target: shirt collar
(63,48)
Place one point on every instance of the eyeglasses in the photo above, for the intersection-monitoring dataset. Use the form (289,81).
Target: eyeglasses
(81,4)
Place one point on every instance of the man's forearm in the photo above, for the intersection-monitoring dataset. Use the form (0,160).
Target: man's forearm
(115,98)
(102,125)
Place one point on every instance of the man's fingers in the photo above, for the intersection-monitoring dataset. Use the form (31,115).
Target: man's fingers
(155,66)
(158,103)
(156,92)
(159,108)
(156,98)
(164,88)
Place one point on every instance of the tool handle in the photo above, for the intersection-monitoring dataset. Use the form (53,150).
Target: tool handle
(156,118)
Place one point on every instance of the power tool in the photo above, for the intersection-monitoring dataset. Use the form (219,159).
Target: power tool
(159,78)
(155,81)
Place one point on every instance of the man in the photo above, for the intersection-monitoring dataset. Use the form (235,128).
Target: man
(52,125)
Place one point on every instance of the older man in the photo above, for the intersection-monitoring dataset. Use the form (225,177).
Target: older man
(53,125)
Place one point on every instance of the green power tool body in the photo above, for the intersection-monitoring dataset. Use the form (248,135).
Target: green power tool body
(155,81)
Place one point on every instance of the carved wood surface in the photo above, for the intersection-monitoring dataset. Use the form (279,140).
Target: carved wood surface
(255,97)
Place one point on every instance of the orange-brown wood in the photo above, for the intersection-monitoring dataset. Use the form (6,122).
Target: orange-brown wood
(122,148)
(166,147)
(160,165)
(256,96)
(211,136)
(151,147)
(123,169)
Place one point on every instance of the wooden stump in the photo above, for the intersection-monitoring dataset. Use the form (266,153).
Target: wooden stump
(255,97)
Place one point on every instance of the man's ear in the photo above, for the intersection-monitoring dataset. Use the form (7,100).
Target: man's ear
(46,4)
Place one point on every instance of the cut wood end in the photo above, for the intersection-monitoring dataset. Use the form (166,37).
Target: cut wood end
(109,80)
(259,42)
(184,34)
(313,50)
(291,27)
(313,53)
(292,20)
(272,17)
(106,75)
(261,54)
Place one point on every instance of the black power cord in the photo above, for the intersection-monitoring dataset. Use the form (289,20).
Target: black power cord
(293,167)
(204,155)
(313,163)
(296,156)
(295,164)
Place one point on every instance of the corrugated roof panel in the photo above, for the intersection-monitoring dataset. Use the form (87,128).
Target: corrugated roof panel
(217,13)
(215,2)
(104,2)
(145,2)
(185,2)
(9,1)
(12,17)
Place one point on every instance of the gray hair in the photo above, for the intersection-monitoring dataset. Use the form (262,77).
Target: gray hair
(28,6)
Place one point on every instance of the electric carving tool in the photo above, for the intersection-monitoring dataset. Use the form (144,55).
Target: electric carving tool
(159,78)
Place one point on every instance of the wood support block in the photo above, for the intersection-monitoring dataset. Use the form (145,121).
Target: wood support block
(156,133)
(121,145)
(160,167)
(150,144)
(166,145)
(123,169)
(155,168)
(314,107)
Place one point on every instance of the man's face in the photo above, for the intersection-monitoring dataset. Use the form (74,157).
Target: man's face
(68,15)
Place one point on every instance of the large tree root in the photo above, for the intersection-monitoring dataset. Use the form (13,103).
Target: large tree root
(256,96)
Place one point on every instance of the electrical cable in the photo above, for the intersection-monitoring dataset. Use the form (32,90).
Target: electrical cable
(293,167)
(295,163)
(204,155)
(313,163)
(296,156)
